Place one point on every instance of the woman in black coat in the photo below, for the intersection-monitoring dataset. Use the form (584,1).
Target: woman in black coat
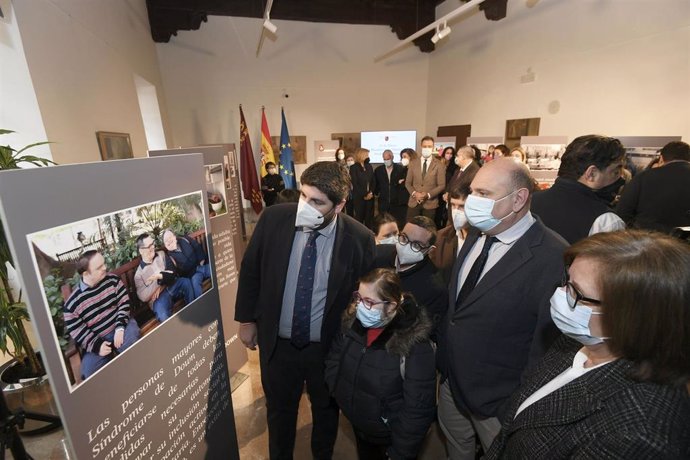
(363,185)
(448,159)
(381,369)
(616,385)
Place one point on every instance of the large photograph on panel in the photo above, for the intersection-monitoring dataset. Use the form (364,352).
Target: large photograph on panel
(110,280)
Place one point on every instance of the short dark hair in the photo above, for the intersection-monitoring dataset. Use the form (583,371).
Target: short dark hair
(427,224)
(140,240)
(676,150)
(585,151)
(382,219)
(644,284)
(288,195)
(84,259)
(426,138)
(330,178)
(462,190)
(269,164)
(505,151)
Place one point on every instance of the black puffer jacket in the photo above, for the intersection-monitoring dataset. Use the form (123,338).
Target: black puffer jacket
(367,383)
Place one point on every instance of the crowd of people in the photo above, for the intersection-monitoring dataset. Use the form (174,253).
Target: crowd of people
(527,323)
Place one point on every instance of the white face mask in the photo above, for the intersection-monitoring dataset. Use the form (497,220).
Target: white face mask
(406,256)
(271,170)
(458,161)
(341,156)
(427,151)
(388,163)
(308,216)
(479,212)
(350,162)
(389,240)
(573,322)
(405,161)
(459,219)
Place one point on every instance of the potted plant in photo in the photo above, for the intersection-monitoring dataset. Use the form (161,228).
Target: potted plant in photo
(23,378)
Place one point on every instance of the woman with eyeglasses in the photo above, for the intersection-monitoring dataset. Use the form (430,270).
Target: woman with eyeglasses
(616,384)
(381,369)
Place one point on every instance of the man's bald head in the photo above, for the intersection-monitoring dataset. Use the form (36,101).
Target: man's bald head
(509,174)
(509,184)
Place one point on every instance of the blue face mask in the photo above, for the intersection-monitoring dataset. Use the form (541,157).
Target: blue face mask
(478,211)
(573,322)
(371,318)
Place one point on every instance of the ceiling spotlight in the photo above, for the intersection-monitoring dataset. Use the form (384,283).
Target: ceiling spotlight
(268,25)
(441,33)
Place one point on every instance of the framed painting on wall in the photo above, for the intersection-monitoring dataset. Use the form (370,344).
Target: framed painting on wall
(114,146)
(517,128)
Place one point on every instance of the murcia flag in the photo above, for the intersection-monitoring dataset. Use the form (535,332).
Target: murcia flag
(250,181)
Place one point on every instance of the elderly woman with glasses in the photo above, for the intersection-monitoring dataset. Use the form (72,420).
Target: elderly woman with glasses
(381,369)
(616,384)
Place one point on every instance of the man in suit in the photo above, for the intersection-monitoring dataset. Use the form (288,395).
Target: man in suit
(390,183)
(498,321)
(297,276)
(426,180)
(467,168)
(659,198)
(571,206)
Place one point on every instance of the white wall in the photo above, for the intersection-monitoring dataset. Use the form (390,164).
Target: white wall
(616,67)
(19,110)
(83,56)
(327,70)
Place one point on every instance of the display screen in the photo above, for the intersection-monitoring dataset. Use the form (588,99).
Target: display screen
(378,141)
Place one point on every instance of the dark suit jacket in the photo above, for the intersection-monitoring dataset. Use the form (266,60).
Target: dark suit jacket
(602,414)
(443,255)
(504,325)
(390,192)
(362,180)
(264,270)
(658,199)
(460,176)
(433,183)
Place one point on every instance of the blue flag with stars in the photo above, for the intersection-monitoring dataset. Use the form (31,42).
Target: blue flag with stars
(287,165)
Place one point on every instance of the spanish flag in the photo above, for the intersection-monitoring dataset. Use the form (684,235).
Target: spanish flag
(266,149)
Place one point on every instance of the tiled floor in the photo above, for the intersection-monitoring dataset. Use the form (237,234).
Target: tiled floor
(252,435)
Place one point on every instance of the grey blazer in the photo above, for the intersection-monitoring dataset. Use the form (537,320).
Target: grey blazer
(601,415)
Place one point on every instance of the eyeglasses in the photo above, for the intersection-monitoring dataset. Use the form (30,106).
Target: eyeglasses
(369,303)
(573,295)
(414,245)
(148,247)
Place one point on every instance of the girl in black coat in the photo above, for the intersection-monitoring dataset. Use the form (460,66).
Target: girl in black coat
(381,369)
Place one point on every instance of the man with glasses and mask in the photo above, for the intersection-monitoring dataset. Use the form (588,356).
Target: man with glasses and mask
(157,280)
(297,277)
(418,275)
(498,322)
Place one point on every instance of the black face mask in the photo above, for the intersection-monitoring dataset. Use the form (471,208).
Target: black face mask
(366,161)
(609,193)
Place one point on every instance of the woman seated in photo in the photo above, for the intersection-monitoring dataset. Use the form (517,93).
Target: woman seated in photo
(381,369)
(615,385)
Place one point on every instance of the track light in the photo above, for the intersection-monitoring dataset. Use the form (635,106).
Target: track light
(441,33)
(268,25)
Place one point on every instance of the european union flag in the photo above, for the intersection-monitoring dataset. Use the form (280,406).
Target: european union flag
(287,165)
